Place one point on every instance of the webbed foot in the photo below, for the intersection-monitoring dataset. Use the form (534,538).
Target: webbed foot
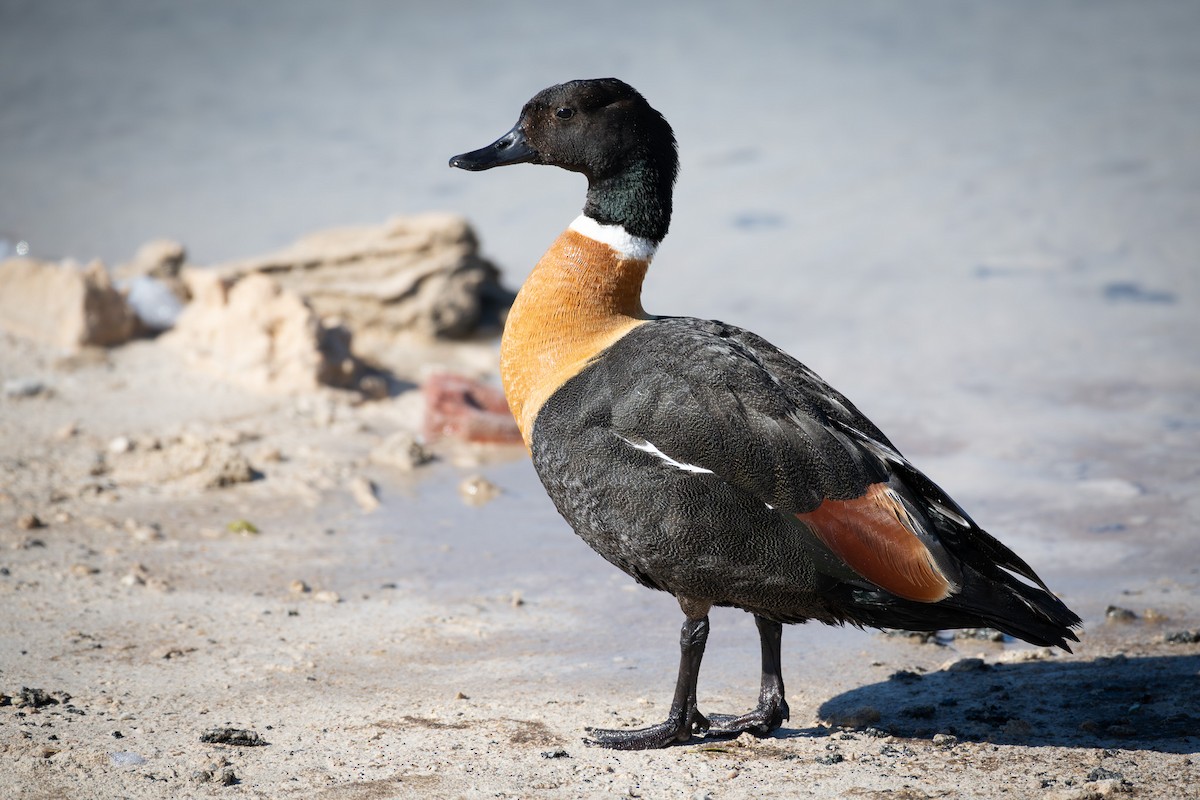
(762,721)
(664,734)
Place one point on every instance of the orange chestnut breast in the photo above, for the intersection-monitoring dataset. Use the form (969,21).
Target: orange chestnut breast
(580,298)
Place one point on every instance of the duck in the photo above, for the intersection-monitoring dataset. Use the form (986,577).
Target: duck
(704,461)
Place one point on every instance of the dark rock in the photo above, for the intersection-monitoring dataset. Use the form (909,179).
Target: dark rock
(1102,774)
(34,698)
(234,736)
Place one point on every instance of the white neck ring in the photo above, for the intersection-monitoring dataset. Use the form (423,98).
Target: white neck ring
(615,236)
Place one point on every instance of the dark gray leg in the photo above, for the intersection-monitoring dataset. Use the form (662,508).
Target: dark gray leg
(683,719)
(772,708)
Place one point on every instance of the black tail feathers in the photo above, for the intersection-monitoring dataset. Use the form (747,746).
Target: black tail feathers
(999,601)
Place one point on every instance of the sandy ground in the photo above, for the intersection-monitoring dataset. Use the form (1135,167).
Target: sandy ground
(976,219)
(414,651)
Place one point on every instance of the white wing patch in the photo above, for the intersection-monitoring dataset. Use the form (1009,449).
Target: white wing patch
(648,447)
(638,248)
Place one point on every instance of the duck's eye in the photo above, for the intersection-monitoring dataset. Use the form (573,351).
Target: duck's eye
(565,113)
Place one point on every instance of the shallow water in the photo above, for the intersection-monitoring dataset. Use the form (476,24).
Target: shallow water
(978,220)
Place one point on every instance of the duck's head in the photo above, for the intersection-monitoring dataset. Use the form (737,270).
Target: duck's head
(605,129)
(597,127)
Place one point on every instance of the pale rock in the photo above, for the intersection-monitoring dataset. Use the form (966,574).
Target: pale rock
(157,258)
(189,461)
(1022,656)
(364,493)
(854,718)
(421,273)
(63,304)
(68,431)
(477,490)
(18,388)
(142,532)
(964,665)
(400,450)
(257,333)
(1092,790)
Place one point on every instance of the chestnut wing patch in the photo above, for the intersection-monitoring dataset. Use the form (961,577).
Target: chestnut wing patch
(877,538)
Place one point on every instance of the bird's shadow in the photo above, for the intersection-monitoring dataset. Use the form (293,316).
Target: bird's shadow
(1130,703)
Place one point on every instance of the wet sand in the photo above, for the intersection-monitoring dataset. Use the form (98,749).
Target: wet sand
(978,223)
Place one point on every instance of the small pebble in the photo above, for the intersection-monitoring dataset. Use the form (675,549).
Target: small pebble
(132,579)
(327,596)
(1102,774)
(141,532)
(855,718)
(556,753)
(226,777)
(169,653)
(29,522)
(965,665)
(1022,656)
(67,431)
(1118,614)
(219,771)
(119,445)
(944,740)
(269,455)
(299,587)
(477,490)
(124,758)
(402,451)
(373,387)
(364,493)
(82,570)
(986,634)
(24,388)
